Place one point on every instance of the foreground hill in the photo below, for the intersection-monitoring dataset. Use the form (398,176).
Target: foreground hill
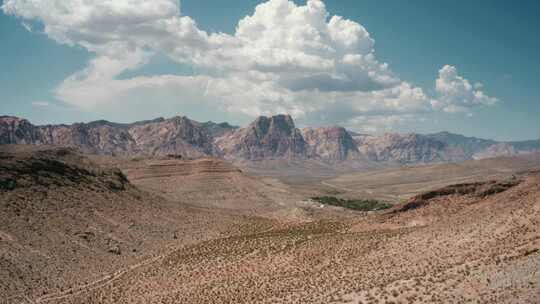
(209,183)
(68,221)
(474,242)
(273,138)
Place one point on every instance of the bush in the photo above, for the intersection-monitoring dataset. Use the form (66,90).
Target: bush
(353,204)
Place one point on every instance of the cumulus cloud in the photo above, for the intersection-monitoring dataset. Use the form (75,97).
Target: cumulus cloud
(283,58)
(456,94)
(381,123)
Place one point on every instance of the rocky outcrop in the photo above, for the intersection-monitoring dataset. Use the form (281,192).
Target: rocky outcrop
(267,138)
(177,136)
(331,144)
(461,147)
(273,137)
(478,189)
(54,167)
(408,148)
(96,138)
(496,150)
(14,130)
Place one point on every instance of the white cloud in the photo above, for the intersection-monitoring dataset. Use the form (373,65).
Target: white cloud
(380,123)
(92,22)
(456,94)
(283,58)
(305,49)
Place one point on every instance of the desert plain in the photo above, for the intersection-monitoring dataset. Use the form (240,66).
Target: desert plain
(80,228)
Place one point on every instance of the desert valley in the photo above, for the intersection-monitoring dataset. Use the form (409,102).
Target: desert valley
(179,211)
(269,152)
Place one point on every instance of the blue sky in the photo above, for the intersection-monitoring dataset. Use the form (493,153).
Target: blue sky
(495,43)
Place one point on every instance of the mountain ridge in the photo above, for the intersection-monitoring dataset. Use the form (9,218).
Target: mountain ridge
(266,138)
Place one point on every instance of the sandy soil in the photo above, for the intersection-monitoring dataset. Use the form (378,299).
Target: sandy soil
(204,232)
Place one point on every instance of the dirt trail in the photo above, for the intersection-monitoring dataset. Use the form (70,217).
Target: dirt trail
(99,283)
(107,279)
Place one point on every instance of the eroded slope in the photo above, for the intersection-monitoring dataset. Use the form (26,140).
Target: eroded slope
(68,222)
(480,244)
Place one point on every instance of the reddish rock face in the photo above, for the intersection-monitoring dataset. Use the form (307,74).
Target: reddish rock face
(331,144)
(177,135)
(265,138)
(408,148)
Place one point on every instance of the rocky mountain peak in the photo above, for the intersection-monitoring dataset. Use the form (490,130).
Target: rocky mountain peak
(278,124)
(178,135)
(266,137)
(14,130)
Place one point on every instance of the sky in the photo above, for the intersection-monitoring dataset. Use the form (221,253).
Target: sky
(468,67)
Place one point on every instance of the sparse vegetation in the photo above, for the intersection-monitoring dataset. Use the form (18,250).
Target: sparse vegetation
(353,204)
(109,246)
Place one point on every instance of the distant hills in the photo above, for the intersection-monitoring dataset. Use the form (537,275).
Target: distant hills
(266,138)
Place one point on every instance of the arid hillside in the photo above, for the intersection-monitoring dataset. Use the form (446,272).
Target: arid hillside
(471,242)
(169,230)
(395,184)
(209,183)
(67,221)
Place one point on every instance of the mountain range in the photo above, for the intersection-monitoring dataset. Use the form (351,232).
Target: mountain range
(266,138)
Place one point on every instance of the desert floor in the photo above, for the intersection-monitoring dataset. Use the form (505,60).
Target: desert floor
(159,230)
